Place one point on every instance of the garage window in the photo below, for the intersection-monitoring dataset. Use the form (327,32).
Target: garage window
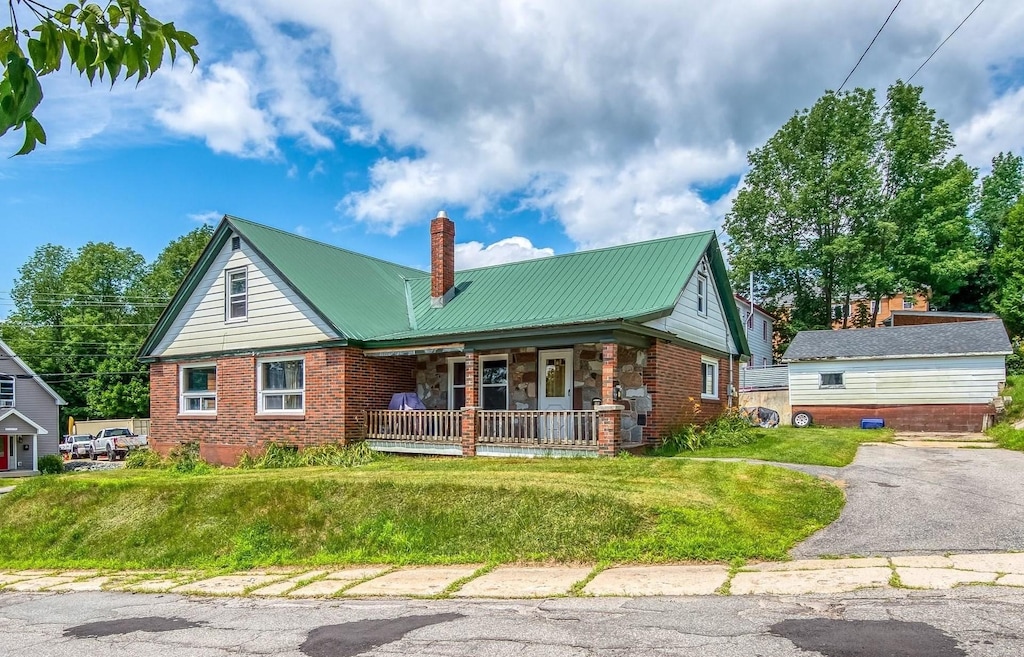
(199,388)
(831,380)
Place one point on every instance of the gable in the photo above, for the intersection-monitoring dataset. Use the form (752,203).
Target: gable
(14,422)
(276,315)
(13,365)
(710,329)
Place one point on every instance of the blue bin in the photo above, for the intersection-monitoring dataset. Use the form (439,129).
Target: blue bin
(872,423)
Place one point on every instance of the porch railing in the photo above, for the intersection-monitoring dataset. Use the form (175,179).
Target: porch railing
(554,428)
(420,426)
(775,377)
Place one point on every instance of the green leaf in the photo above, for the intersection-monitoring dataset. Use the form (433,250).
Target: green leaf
(33,134)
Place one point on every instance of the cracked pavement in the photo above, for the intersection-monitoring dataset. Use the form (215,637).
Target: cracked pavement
(983,621)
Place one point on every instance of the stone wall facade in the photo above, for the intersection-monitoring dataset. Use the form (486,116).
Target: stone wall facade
(905,417)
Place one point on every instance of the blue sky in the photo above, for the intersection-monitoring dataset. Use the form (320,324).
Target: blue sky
(540,127)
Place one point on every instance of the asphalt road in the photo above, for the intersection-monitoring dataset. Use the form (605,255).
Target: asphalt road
(982,621)
(915,500)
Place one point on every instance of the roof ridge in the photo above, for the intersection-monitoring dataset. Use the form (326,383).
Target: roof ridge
(598,250)
(233,218)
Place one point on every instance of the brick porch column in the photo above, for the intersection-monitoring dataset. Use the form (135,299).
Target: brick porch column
(470,421)
(609,371)
(609,429)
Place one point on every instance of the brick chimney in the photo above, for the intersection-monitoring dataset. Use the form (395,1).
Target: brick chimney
(442,259)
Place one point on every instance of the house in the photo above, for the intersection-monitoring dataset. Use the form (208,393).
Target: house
(275,337)
(29,415)
(931,377)
(760,326)
(914,317)
(886,307)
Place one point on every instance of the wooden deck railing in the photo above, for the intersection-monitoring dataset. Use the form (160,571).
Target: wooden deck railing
(565,428)
(420,426)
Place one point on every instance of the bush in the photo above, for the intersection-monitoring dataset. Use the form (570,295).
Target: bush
(1015,361)
(277,455)
(730,429)
(185,459)
(51,464)
(143,459)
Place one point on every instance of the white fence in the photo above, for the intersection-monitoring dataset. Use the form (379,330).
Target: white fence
(775,377)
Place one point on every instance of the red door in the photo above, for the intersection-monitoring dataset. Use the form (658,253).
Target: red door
(3,452)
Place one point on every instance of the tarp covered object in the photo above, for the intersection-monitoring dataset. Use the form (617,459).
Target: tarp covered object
(406,401)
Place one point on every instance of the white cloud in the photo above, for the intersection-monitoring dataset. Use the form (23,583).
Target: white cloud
(220,106)
(997,128)
(609,117)
(471,255)
(209,217)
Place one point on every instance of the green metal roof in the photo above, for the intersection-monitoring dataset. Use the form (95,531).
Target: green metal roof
(375,302)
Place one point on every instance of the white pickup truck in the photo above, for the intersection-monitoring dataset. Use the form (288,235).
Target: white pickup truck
(116,443)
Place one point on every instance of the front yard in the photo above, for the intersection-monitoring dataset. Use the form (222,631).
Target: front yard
(415,511)
(811,446)
(1004,433)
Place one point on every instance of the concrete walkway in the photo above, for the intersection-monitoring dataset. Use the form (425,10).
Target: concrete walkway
(520,582)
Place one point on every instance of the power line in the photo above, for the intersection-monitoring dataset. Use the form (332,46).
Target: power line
(945,40)
(861,58)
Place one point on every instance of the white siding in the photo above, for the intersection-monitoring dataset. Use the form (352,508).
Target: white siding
(711,331)
(944,380)
(277,316)
(760,349)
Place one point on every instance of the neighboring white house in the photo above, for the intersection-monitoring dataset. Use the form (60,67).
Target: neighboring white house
(760,329)
(938,377)
(29,415)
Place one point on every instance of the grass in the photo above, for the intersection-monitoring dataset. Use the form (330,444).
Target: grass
(415,511)
(1004,434)
(810,446)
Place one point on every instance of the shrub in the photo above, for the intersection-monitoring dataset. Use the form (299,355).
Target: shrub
(185,459)
(51,464)
(277,455)
(143,459)
(730,429)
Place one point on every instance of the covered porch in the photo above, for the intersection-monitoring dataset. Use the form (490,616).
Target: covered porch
(582,399)
(19,444)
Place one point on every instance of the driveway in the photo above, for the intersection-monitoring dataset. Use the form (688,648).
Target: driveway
(904,499)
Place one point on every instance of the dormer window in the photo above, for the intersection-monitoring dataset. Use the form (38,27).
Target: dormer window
(237,295)
(6,391)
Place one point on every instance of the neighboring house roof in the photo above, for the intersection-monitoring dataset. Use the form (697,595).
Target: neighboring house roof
(746,302)
(6,349)
(371,301)
(960,339)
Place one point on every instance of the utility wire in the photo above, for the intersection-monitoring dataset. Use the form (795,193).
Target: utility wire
(945,40)
(852,70)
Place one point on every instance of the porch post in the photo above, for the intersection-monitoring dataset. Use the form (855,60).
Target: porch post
(609,371)
(35,453)
(470,422)
(609,429)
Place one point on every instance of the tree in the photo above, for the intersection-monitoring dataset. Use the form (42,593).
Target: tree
(809,198)
(1008,270)
(165,274)
(120,38)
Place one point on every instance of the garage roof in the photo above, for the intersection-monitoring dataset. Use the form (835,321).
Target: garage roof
(986,337)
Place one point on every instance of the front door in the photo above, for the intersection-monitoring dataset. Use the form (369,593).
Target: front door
(4,440)
(555,394)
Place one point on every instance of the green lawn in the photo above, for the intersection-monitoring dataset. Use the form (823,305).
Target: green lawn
(811,446)
(1004,433)
(415,511)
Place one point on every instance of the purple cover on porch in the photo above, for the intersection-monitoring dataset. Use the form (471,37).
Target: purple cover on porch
(406,401)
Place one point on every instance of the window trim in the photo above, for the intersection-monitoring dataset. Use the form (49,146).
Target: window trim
(702,294)
(838,386)
(14,391)
(228,273)
(480,365)
(764,330)
(261,393)
(452,361)
(713,362)
(183,395)
(911,302)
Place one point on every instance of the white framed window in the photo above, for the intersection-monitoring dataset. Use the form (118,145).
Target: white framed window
(764,362)
(494,382)
(708,378)
(908,304)
(281,385)
(702,295)
(831,380)
(198,387)
(764,330)
(236,295)
(6,391)
(456,383)
(750,319)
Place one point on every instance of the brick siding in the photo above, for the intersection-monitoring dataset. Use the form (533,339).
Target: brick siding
(906,417)
(673,379)
(917,320)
